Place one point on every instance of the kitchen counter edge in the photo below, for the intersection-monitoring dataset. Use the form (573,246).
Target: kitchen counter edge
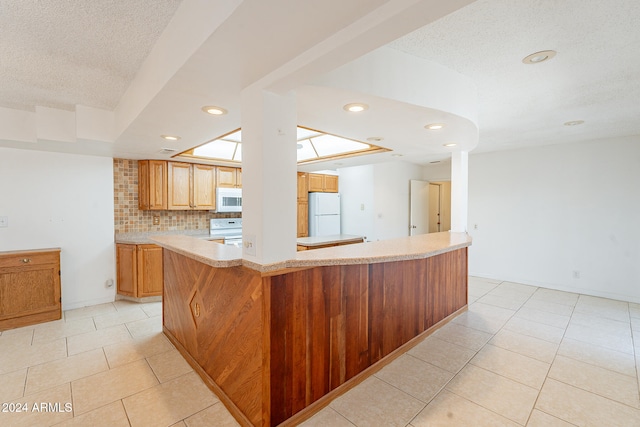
(399,249)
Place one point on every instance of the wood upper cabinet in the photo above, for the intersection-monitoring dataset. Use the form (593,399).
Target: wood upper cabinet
(191,186)
(323,183)
(29,287)
(152,185)
(139,270)
(229,177)
(204,187)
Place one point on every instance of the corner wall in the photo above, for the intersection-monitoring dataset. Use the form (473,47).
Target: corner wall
(562,217)
(66,201)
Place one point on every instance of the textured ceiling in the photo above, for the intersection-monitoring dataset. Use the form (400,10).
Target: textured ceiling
(59,53)
(595,76)
(65,53)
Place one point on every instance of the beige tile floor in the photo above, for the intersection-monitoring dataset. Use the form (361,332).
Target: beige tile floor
(520,355)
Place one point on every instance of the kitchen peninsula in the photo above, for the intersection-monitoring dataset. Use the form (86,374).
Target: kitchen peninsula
(277,341)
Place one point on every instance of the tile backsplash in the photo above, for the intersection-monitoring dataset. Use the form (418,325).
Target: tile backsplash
(129,219)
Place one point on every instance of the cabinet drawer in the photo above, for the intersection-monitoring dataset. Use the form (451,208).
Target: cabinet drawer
(26,259)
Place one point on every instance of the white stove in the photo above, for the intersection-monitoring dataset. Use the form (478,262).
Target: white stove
(229,229)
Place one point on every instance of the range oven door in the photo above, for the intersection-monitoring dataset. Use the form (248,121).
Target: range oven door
(229,200)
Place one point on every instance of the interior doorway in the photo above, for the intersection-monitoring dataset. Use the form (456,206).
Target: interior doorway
(430,207)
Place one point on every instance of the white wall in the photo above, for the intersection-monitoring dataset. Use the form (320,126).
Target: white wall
(357,201)
(546,214)
(65,201)
(384,190)
(437,171)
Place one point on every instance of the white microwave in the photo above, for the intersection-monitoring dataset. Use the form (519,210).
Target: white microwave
(229,199)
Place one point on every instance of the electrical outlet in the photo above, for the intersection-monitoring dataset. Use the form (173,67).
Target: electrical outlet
(4,221)
(156,220)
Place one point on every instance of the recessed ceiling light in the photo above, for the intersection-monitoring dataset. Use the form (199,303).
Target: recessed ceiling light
(213,110)
(450,144)
(434,126)
(396,155)
(168,150)
(355,107)
(170,137)
(574,123)
(538,57)
(375,139)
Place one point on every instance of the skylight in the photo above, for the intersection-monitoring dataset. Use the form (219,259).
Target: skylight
(312,146)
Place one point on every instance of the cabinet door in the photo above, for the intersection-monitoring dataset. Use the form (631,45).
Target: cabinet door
(127,268)
(331,183)
(226,177)
(204,187)
(152,184)
(150,275)
(30,291)
(179,186)
(316,182)
(157,184)
(143,185)
(238,177)
(303,190)
(303,219)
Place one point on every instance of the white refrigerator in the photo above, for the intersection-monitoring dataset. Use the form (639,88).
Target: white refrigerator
(324,214)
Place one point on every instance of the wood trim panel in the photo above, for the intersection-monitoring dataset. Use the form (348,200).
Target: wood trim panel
(328,324)
(216,314)
(275,344)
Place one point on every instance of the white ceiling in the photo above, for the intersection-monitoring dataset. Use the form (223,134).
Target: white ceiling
(155,63)
(62,53)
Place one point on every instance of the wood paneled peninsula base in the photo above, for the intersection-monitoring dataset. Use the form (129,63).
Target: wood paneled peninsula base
(276,343)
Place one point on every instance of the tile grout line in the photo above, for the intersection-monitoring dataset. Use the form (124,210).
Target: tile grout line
(546,377)
(476,353)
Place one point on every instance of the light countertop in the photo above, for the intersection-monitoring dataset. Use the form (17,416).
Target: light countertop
(400,249)
(328,240)
(143,238)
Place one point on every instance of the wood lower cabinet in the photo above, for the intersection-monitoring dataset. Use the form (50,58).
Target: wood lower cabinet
(139,270)
(29,287)
(303,219)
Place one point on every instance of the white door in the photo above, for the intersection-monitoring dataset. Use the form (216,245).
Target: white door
(419,209)
(434,208)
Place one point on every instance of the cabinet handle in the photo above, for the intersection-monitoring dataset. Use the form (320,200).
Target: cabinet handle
(197,310)
(25,260)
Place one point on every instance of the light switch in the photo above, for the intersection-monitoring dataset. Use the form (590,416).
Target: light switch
(4,221)
(249,245)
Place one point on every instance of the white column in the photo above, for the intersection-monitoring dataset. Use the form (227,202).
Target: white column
(459,190)
(269,182)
